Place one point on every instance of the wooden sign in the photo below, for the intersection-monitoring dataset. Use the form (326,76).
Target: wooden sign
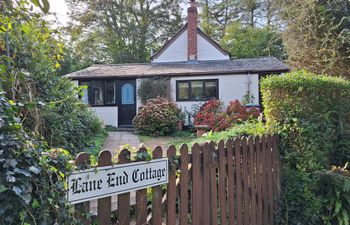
(100,182)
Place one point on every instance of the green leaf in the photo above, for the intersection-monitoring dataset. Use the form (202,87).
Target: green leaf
(3,188)
(25,28)
(35,204)
(33,169)
(338,205)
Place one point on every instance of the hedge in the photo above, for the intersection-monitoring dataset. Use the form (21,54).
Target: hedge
(311,114)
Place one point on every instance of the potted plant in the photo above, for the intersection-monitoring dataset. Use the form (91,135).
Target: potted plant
(180,120)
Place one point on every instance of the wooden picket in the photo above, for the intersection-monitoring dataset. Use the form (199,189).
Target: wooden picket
(236,182)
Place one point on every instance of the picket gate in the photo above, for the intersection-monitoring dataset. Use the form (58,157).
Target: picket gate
(236,182)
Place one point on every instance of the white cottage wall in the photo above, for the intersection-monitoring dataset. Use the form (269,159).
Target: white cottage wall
(230,87)
(176,52)
(206,51)
(108,114)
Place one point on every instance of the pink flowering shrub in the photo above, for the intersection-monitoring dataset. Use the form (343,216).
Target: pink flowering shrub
(157,117)
(211,114)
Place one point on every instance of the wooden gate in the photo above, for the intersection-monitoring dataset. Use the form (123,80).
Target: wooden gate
(236,182)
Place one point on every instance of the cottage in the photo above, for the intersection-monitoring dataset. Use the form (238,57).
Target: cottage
(198,69)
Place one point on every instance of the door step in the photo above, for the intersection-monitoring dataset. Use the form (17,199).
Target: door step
(126,129)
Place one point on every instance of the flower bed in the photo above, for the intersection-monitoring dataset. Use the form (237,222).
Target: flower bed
(213,115)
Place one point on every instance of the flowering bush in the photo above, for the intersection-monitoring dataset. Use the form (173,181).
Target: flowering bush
(157,117)
(211,114)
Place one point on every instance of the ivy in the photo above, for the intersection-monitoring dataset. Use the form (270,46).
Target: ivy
(32,176)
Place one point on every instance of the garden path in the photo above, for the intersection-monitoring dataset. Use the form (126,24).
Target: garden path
(113,142)
(116,139)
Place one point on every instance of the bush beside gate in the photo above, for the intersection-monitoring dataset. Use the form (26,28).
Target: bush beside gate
(235,182)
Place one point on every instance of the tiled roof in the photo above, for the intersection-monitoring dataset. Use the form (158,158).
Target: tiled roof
(235,66)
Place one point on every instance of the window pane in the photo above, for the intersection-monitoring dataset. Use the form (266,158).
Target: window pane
(210,89)
(97,92)
(128,94)
(110,92)
(196,89)
(85,97)
(183,90)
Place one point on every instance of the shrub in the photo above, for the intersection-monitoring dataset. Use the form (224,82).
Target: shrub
(32,176)
(152,88)
(157,117)
(211,114)
(334,189)
(311,114)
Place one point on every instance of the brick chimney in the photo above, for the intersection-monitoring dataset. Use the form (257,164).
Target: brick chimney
(192,31)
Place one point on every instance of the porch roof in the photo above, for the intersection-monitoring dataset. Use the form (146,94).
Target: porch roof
(132,70)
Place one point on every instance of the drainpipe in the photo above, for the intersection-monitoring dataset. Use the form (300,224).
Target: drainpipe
(248,86)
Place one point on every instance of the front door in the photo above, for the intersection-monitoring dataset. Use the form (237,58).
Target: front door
(127,102)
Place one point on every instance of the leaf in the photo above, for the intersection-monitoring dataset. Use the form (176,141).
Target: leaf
(35,204)
(21,171)
(17,190)
(338,205)
(25,28)
(33,169)
(3,188)
(345,217)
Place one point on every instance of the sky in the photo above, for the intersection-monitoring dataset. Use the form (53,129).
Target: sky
(60,8)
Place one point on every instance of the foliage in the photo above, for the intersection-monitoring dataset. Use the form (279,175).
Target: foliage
(32,177)
(317,36)
(152,88)
(252,42)
(334,189)
(48,104)
(311,114)
(245,129)
(157,117)
(126,30)
(218,16)
(211,114)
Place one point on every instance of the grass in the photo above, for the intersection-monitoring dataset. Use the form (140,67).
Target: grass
(239,130)
(97,143)
(175,139)
(189,138)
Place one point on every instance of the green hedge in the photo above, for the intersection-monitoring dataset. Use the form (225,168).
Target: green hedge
(311,114)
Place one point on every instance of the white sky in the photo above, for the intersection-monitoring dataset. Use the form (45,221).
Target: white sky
(60,8)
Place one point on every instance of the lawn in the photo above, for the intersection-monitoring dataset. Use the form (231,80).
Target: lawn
(189,138)
(177,139)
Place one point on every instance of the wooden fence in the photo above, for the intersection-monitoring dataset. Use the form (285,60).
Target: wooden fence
(236,182)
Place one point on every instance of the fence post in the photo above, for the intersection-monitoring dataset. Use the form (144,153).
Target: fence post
(252,165)
(124,199)
(171,189)
(206,183)
(184,185)
(141,200)
(238,160)
(230,181)
(258,181)
(196,185)
(104,204)
(157,194)
(82,210)
(213,184)
(222,182)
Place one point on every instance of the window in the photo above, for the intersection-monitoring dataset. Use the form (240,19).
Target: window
(110,91)
(127,94)
(196,90)
(99,92)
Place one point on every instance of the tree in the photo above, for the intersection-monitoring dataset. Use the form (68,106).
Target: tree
(317,35)
(47,103)
(248,41)
(217,16)
(125,31)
